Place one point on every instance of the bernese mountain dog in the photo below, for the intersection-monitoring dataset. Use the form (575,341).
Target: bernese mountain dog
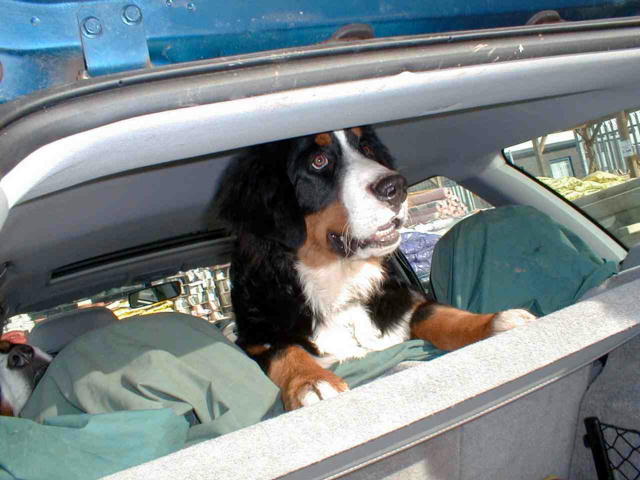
(316,219)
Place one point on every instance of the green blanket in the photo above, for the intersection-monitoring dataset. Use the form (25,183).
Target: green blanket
(166,360)
(514,257)
(358,372)
(83,447)
(153,384)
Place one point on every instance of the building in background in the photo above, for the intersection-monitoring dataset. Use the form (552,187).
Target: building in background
(601,145)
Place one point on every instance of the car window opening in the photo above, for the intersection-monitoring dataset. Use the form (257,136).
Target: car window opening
(595,166)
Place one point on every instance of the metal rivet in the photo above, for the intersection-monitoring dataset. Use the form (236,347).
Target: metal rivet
(35,21)
(191,7)
(131,14)
(91,27)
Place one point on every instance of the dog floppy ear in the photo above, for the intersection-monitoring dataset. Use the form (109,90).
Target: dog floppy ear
(370,137)
(257,197)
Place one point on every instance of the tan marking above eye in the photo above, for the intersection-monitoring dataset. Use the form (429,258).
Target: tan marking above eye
(357,131)
(323,139)
(4,346)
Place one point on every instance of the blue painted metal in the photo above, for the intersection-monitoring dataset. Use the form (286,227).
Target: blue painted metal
(42,41)
(113,37)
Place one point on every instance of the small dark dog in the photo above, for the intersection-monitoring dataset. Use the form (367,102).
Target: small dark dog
(21,367)
(316,218)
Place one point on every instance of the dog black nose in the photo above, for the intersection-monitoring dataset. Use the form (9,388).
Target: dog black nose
(391,189)
(20,356)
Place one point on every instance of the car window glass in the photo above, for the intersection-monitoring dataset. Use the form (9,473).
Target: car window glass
(435,205)
(205,294)
(594,165)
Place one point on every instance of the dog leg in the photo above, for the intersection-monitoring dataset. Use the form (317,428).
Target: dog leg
(450,328)
(301,380)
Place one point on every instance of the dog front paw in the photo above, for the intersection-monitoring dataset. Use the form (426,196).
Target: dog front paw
(303,391)
(509,319)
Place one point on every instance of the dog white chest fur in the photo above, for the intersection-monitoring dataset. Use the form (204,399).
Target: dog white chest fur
(337,292)
(342,324)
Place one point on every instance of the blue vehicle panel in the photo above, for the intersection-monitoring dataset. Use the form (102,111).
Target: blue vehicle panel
(45,43)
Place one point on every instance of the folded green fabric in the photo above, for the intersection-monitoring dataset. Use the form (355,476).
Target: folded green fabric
(183,363)
(363,370)
(514,257)
(166,360)
(83,447)
(170,365)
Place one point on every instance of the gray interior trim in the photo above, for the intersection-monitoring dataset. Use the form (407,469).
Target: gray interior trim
(69,109)
(394,412)
(505,425)
(633,257)
(171,135)
(101,218)
(525,439)
(4,208)
(630,275)
(613,399)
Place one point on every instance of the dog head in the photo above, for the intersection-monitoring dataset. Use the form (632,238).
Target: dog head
(21,366)
(334,193)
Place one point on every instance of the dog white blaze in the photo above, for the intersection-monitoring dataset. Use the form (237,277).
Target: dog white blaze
(366,212)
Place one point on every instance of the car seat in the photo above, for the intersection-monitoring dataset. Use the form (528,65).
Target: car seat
(514,257)
(54,333)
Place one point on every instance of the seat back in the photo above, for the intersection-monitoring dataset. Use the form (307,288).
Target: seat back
(53,334)
(514,257)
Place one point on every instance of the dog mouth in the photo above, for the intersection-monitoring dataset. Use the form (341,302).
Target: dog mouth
(385,236)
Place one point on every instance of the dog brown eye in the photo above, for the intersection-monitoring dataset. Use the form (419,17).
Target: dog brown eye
(320,161)
(367,150)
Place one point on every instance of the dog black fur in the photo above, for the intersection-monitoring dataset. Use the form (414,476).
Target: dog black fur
(268,197)
(264,199)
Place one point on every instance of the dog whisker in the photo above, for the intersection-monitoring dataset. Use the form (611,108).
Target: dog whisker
(346,235)
(409,217)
